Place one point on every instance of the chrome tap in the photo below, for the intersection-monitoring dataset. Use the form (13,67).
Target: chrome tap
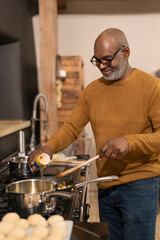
(34,119)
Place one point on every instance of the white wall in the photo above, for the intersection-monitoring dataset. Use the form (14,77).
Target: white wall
(77,32)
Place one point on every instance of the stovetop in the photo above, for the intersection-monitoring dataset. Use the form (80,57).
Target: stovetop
(70,207)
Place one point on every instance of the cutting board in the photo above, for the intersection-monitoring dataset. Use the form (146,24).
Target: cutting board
(67,161)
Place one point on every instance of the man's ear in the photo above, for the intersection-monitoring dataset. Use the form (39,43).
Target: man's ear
(126,52)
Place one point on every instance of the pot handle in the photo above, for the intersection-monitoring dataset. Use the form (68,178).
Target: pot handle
(101,179)
(21,144)
(59,194)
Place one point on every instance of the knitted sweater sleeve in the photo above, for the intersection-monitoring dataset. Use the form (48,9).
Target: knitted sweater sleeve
(149,143)
(72,128)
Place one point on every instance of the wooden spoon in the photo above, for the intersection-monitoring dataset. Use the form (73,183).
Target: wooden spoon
(62,174)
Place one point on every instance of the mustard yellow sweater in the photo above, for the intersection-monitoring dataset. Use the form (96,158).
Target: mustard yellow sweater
(130,108)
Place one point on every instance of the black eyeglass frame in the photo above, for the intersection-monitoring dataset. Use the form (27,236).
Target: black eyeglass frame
(108,60)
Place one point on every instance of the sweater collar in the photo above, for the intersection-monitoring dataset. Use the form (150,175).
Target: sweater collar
(120,82)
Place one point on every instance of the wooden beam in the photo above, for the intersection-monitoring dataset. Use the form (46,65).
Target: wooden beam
(48,52)
(62,4)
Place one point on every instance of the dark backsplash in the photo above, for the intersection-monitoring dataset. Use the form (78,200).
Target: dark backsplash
(18,71)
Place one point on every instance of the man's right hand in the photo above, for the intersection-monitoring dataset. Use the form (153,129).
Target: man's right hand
(32,157)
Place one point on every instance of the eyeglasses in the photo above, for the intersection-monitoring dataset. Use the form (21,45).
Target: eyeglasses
(105,61)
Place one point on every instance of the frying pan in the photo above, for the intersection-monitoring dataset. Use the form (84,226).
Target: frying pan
(36,195)
(78,185)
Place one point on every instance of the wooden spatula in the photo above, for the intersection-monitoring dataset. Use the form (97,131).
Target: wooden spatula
(62,174)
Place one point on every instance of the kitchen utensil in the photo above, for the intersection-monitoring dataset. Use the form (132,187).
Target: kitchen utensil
(62,157)
(62,174)
(33,195)
(18,166)
(101,179)
(21,152)
(36,195)
(64,162)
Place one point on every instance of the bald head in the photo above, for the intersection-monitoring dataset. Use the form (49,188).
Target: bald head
(111,53)
(111,37)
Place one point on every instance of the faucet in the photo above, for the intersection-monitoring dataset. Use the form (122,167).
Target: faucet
(34,119)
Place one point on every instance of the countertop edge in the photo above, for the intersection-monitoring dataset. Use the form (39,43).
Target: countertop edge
(7,127)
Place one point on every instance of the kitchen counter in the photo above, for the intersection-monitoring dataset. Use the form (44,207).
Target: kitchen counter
(91,231)
(10,126)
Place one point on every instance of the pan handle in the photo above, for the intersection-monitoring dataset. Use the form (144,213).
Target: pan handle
(101,179)
(59,194)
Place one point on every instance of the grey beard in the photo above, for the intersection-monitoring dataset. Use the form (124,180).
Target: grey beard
(116,74)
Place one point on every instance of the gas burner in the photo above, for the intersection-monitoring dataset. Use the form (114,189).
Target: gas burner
(3,199)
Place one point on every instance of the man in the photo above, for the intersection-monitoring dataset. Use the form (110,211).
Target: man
(123,108)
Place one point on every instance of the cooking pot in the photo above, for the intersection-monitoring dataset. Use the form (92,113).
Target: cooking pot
(39,196)
(33,196)
(18,167)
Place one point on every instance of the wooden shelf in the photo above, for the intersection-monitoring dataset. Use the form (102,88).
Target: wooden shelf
(10,126)
(72,86)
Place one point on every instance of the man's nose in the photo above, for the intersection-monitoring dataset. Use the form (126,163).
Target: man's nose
(102,66)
